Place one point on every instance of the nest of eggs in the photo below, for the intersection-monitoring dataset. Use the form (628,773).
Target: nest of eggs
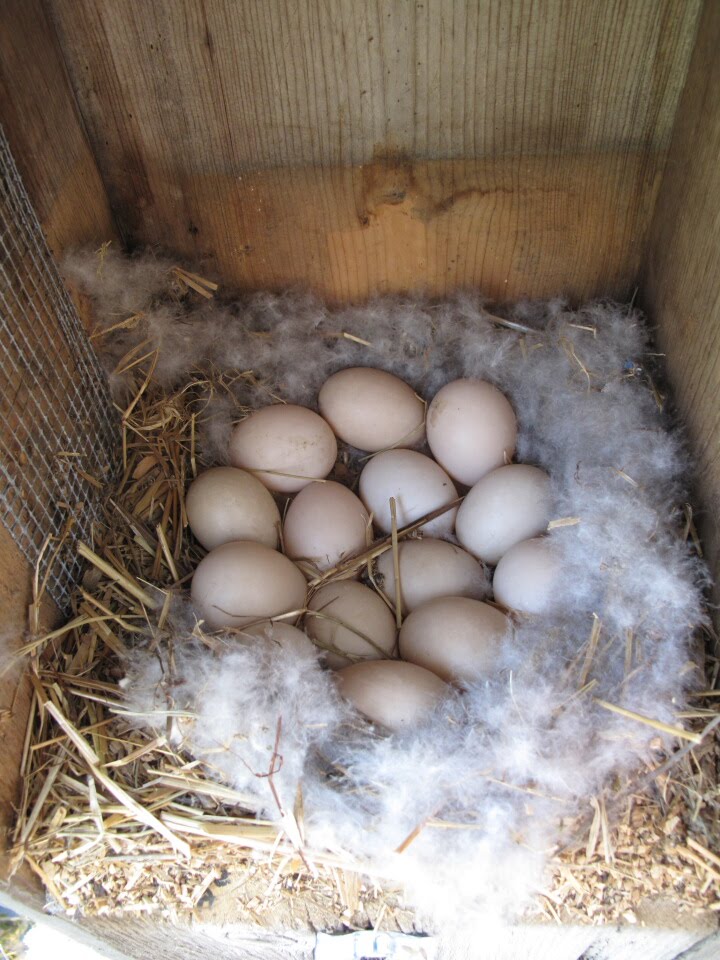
(109,791)
(423,598)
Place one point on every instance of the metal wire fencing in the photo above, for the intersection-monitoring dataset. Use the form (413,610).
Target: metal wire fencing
(57,434)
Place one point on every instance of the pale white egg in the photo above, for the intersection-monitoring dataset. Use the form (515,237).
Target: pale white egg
(527,577)
(394,694)
(431,568)
(419,486)
(240,582)
(225,503)
(284,446)
(325,523)
(505,506)
(457,638)
(351,622)
(372,409)
(471,429)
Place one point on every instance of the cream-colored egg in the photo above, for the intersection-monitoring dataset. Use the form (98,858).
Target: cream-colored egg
(457,638)
(471,429)
(419,486)
(240,582)
(351,622)
(429,569)
(506,506)
(526,579)
(325,523)
(225,503)
(284,446)
(281,633)
(372,409)
(394,694)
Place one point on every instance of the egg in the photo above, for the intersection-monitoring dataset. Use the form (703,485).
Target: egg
(419,486)
(350,619)
(372,409)
(506,506)
(471,429)
(241,581)
(394,694)
(325,523)
(284,446)
(526,579)
(281,633)
(225,503)
(457,638)
(429,569)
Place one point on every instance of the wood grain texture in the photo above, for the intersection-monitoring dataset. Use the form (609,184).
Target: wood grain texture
(44,128)
(527,941)
(682,270)
(14,693)
(163,941)
(45,132)
(29,903)
(141,939)
(509,146)
(430,225)
(15,690)
(138,939)
(707,949)
(643,943)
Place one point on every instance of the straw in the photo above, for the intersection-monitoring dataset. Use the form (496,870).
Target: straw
(117,819)
(93,761)
(396,563)
(679,732)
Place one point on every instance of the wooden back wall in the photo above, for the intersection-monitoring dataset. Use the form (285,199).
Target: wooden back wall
(356,146)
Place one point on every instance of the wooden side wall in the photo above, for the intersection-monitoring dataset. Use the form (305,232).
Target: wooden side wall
(44,128)
(681,282)
(355,146)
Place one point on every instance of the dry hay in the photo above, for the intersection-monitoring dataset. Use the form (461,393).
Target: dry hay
(115,820)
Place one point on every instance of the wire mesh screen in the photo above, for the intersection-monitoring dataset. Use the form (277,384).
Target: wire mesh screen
(56,420)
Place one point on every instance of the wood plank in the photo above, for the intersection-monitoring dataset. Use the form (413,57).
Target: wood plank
(662,939)
(707,949)
(28,904)
(15,691)
(136,939)
(140,939)
(392,225)
(45,132)
(225,131)
(646,943)
(42,123)
(682,271)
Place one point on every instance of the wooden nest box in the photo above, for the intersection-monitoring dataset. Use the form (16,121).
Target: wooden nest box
(564,147)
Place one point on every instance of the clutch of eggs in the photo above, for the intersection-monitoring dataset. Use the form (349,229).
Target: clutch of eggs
(449,635)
